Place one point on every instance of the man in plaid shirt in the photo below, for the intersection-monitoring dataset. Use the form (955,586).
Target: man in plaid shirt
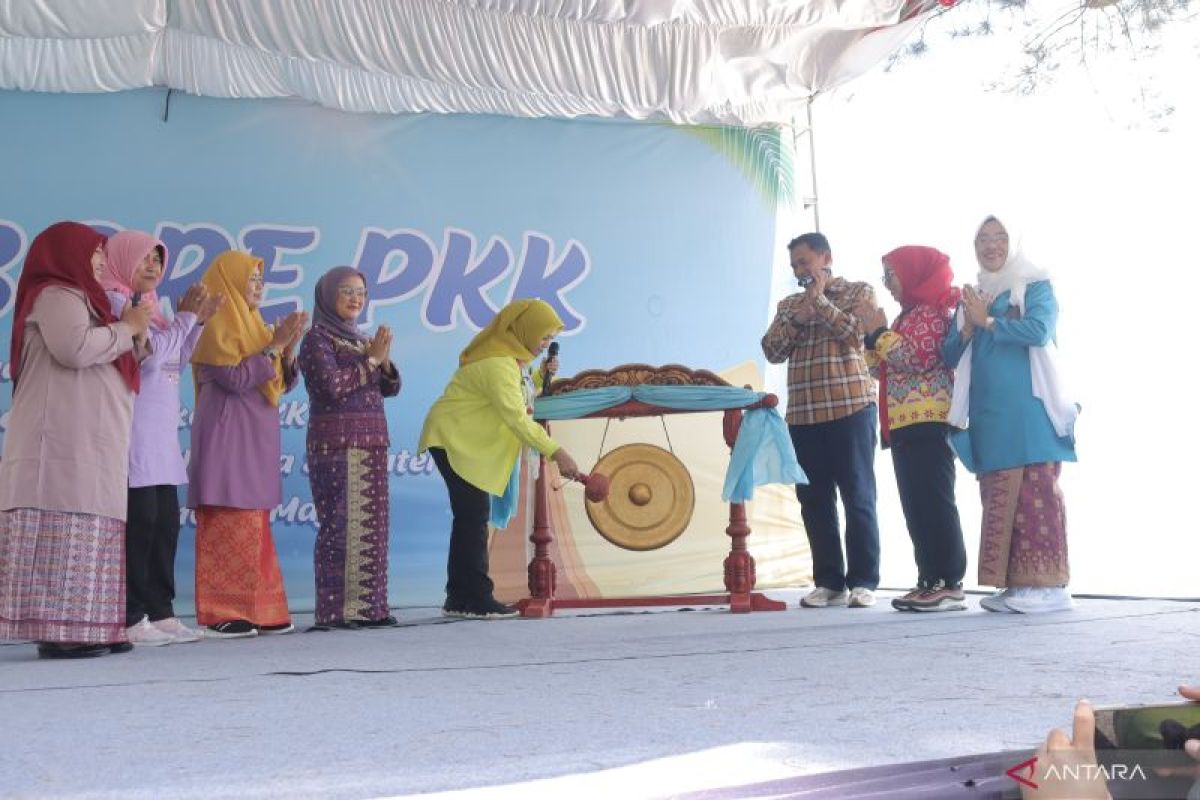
(832,418)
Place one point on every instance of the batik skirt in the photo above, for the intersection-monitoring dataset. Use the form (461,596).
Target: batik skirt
(237,569)
(350,560)
(1024,537)
(62,577)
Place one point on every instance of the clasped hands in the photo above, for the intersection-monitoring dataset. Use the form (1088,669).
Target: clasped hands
(379,347)
(287,333)
(975,307)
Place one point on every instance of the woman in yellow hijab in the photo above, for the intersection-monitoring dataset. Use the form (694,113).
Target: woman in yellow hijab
(475,432)
(241,367)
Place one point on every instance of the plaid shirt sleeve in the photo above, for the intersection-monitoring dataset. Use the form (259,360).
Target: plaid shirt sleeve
(780,339)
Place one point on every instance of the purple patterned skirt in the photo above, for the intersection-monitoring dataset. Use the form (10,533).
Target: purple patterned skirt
(350,491)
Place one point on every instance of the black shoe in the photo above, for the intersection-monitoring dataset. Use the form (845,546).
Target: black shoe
(488,609)
(66,650)
(387,622)
(120,647)
(234,629)
(276,630)
(345,625)
(453,608)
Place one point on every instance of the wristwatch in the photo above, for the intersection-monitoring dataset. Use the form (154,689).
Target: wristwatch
(269,352)
(372,362)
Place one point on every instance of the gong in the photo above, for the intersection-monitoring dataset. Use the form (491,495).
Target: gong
(650,498)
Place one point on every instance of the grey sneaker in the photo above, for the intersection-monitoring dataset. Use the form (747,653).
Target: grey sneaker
(862,597)
(821,597)
(144,633)
(996,602)
(178,632)
(1039,599)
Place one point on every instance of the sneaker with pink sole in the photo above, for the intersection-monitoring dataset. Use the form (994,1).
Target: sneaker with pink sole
(179,633)
(143,634)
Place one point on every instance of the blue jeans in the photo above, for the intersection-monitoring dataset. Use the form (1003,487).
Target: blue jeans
(839,459)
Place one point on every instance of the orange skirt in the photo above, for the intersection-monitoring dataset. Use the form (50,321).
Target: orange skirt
(237,570)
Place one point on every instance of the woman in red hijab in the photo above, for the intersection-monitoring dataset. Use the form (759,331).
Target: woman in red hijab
(914,400)
(66,451)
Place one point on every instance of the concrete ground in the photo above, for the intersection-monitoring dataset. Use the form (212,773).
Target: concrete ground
(613,705)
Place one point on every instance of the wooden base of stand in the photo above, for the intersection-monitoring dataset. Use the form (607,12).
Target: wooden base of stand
(741,603)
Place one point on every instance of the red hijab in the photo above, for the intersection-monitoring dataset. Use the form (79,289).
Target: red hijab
(925,277)
(61,255)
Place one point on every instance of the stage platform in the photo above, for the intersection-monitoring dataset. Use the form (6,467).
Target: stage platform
(585,704)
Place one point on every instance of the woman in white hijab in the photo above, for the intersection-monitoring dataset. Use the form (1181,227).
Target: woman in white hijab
(1018,425)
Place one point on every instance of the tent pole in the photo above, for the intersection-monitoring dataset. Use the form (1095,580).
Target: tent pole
(809,202)
(812,165)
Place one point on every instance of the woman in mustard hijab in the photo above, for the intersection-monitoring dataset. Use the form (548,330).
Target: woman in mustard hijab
(475,432)
(241,367)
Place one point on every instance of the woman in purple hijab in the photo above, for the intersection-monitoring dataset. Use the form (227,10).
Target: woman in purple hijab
(347,375)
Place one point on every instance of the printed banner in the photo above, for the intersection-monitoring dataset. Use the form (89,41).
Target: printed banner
(652,242)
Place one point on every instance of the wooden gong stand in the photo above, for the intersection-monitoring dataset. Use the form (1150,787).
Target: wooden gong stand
(740,576)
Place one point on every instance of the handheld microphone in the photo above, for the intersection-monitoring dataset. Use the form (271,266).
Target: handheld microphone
(551,352)
(137,298)
(806,280)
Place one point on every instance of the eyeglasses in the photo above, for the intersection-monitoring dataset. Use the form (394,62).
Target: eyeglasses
(351,293)
(256,280)
(992,238)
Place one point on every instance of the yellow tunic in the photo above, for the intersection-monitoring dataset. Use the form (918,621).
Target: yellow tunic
(481,422)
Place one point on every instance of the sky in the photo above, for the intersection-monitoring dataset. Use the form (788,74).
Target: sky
(1103,185)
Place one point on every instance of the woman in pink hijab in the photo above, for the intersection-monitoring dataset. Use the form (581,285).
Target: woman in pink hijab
(135,267)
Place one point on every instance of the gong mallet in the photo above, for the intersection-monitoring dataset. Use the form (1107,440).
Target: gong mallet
(595,486)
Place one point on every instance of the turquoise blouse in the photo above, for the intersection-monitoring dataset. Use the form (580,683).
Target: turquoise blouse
(1008,426)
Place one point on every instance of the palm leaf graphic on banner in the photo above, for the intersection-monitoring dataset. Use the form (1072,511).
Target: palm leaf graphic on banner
(759,153)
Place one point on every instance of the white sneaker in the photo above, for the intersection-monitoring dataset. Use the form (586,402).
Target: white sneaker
(145,634)
(861,597)
(178,632)
(821,597)
(996,602)
(1039,599)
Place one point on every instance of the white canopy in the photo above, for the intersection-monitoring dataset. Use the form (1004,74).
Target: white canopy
(739,62)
